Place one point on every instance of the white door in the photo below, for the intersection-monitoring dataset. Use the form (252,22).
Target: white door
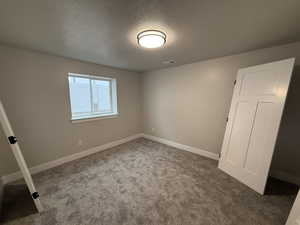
(253,122)
(12,140)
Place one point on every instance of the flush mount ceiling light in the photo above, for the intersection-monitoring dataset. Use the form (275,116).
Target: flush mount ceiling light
(151,38)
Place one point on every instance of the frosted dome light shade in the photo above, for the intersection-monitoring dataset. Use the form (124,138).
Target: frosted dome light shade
(151,39)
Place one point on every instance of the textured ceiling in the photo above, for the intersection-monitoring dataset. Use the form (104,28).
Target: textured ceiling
(104,31)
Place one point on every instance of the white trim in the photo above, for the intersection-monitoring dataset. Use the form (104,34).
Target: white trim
(281,175)
(183,147)
(39,168)
(16,150)
(48,165)
(88,119)
(89,76)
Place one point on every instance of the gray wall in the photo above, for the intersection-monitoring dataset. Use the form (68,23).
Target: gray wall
(287,150)
(189,104)
(34,91)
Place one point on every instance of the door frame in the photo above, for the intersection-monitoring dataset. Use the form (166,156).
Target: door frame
(13,142)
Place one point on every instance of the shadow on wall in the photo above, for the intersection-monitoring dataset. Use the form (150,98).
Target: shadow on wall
(285,164)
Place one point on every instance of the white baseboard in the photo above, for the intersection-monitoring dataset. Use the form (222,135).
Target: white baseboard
(36,169)
(183,147)
(281,175)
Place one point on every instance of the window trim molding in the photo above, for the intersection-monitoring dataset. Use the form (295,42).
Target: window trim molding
(93,118)
(90,76)
(113,98)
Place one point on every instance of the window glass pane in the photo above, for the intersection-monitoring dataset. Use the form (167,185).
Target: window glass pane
(80,95)
(91,97)
(102,96)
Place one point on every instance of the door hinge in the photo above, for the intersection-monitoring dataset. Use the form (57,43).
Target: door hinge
(227,119)
(35,195)
(234,82)
(12,140)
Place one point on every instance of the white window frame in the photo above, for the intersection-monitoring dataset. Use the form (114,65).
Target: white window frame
(95,116)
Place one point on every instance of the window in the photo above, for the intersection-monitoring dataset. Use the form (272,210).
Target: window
(92,96)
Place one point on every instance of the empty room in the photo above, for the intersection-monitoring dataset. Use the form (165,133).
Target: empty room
(149,112)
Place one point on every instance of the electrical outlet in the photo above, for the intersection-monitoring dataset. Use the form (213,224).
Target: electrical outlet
(152,130)
(80,142)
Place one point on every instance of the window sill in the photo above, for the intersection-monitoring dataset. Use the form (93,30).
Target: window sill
(92,118)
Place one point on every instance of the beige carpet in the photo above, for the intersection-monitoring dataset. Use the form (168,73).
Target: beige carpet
(147,183)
